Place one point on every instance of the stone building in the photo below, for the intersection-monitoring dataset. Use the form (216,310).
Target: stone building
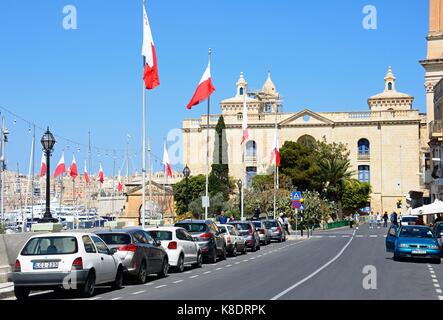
(386,142)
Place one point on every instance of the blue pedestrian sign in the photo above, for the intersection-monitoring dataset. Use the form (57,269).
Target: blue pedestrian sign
(296,196)
(302,207)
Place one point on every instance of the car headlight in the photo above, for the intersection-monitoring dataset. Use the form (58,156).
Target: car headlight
(403,245)
(434,247)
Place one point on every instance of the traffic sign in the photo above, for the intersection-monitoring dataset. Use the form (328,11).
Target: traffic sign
(302,207)
(296,204)
(296,196)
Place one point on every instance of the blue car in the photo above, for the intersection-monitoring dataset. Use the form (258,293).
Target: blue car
(413,242)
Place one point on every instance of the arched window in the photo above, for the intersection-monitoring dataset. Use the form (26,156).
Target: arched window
(251,149)
(364,147)
(242,90)
(364,173)
(307,141)
(390,86)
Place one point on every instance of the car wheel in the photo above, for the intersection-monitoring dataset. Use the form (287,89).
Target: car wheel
(165,268)
(224,253)
(234,251)
(181,264)
(281,239)
(254,248)
(22,293)
(118,283)
(396,258)
(142,273)
(437,261)
(88,289)
(199,263)
(213,258)
(245,249)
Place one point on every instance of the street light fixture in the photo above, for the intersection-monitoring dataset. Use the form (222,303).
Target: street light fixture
(48,142)
(187,173)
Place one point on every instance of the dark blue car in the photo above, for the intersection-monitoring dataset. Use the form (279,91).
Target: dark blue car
(413,242)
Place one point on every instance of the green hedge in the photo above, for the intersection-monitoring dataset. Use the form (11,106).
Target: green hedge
(338,224)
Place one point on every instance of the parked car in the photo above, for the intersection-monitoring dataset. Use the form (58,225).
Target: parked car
(139,253)
(235,242)
(65,261)
(277,231)
(408,220)
(263,232)
(413,242)
(248,231)
(208,236)
(180,246)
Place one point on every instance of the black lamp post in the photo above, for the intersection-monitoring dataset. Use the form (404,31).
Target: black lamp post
(48,142)
(187,173)
(240,187)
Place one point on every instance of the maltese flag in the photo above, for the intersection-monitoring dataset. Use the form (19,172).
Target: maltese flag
(85,173)
(204,90)
(61,168)
(73,172)
(44,167)
(120,184)
(101,174)
(150,74)
(275,157)
(166,162)
(245,120)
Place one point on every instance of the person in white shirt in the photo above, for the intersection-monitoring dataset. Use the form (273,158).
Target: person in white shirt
(378,220)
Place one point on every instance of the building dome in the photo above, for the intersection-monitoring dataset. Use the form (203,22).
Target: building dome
(269,87)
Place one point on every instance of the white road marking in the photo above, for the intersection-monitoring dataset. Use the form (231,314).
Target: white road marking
(373,236)
(438,290)
(229,265)
(188,272)
(314,273)
(431,271)
(207,272)
(246,260)
(359,236)
(178,281)
(118,298)
(436,285)
(332,236)
(162,286)
(218,269)
(435,280)
(440,297)
(238,262)
(138,292)
(193,277)
(433,276)
(95,298)
(149,284)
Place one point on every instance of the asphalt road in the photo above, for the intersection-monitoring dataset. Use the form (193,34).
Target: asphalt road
(330,265)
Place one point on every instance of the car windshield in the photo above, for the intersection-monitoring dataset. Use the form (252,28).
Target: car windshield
(50,246)
(257,224)
(242,226)
(409,219)
(416,233)
(270,224)
(161,235)
(193,227)
(115,238)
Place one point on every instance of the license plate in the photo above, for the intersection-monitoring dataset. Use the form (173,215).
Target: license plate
(45,265)
(418,251)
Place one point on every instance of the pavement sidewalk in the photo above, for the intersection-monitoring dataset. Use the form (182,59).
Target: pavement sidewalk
(6,290)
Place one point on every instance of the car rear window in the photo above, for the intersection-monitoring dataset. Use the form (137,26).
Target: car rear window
(413,232)
(193,227)
(270,224)
(161,235)
(50,246)
(115,238)
(257,224)
(242,226)
(409,219)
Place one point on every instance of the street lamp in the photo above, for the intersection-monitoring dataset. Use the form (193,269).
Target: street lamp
(187,173)
(48,142)
(240,187)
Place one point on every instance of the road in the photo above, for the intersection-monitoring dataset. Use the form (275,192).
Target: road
(328,266)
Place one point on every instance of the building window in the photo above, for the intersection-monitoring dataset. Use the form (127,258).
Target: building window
(364,173)
(390,86)
(251,172)
(251,149)
(364,147)
(242,91)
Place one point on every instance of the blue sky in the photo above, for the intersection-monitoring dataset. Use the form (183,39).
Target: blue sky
(90,78)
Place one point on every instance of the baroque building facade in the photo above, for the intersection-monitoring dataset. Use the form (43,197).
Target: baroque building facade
(386,141)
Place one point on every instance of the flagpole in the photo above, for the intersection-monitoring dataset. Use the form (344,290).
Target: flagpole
(275,172)
(207,149)
(143,220)
(150,176)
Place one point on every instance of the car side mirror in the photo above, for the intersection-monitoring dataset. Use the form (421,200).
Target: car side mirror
(158,243)
(113,251)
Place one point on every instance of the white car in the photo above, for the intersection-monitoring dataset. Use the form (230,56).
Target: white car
(65,261)
(235,242)
(180,246)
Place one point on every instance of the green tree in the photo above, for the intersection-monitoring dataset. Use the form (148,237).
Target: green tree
(197,186)
(356,195)
(219,177)
(264,182)
(217,204)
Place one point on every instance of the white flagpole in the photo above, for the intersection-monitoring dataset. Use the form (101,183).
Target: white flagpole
(207,150)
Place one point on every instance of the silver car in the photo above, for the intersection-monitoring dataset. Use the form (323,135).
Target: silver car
(263,232)
(140,254)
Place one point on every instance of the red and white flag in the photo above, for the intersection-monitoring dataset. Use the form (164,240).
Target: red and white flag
(61,168)
(166,162)
(245,120)
(101,174)
(275,157)
(120,184)
(73,172)
(204,90)
(44,167)
(150,74)
(86,175)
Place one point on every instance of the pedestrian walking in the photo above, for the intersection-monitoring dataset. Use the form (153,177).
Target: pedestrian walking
(378,220)
(385,220)
(231,219)
(286,224)
(371,220)
(395,219)
(222,218)
(357,219)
